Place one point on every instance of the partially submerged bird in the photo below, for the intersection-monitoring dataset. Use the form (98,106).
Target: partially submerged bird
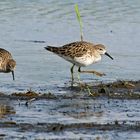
(7,63)
(81,54)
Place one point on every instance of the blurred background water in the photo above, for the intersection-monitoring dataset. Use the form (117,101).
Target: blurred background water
(116,24)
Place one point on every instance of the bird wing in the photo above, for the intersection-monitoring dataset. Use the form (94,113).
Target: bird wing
(4,55)
(0,60)
(75,49)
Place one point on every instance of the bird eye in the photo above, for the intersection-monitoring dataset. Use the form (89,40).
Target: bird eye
(100,49)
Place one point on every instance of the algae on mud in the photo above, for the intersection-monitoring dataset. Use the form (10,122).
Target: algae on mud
(118,89)
(112,107)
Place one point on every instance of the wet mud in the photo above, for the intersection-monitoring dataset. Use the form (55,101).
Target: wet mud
(117,90)
(91,110)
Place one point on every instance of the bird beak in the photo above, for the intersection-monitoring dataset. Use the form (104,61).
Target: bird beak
(13,75)
(108,55)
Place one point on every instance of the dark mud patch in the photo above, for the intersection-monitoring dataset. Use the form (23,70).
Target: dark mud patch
(83,111)
(116,90)
(49,127)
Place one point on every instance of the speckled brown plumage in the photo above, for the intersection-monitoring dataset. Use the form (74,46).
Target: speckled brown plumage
(4,56)
(7,63)
(75,49)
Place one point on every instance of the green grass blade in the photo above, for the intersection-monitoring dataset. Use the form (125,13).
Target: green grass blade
(79,20)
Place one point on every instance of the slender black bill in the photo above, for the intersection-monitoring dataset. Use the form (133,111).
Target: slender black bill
(13,75)
(108,55)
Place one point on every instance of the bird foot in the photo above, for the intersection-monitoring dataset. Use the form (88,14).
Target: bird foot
(93,72)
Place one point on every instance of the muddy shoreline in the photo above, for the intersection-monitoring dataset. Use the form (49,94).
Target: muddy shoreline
(114,90)
(82,108)
(49,127)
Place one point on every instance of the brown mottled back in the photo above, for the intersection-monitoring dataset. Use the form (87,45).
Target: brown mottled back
(5,56)
(75,49)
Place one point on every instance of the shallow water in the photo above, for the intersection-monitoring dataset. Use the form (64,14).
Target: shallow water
(70,118)
(116,24)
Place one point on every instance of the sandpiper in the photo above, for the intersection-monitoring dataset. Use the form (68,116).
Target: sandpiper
(7,63)
(81,54)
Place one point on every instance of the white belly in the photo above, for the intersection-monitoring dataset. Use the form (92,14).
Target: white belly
(86,60)
(83,61)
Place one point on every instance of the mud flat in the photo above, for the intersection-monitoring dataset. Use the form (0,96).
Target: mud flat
(84,111)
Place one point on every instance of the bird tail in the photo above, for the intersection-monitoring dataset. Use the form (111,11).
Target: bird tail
(52,49)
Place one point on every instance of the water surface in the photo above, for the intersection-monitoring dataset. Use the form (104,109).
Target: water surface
(116,24)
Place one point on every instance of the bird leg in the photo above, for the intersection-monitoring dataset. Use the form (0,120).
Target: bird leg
(72,77)
(93,72)
(13,75)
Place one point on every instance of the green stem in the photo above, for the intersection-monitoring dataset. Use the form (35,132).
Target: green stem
(79,20)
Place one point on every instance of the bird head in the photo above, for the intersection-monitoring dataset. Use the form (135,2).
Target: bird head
(11,64)
(102,50)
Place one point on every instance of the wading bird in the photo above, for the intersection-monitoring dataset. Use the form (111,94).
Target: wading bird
(7,63)
(81,54)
